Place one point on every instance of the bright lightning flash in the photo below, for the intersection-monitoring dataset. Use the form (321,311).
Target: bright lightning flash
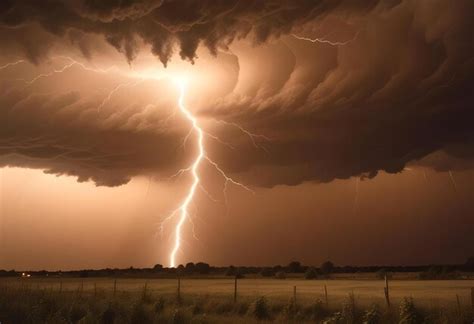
(183,209)
(194,168)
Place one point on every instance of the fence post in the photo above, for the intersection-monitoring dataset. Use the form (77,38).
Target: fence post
(458,303)
(235,289)
(386,291)
(472,297)
(115,287)
(294,294)
(326,295)
(144,289)
(179,289)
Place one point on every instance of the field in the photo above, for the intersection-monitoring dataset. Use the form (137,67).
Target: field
(212,300)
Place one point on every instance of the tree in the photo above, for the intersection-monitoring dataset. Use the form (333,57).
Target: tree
(469,265)
(327,267)
(311,273)
(202,268)
(267,272)
(294,267)
(231,271)
(280,275)
(190,267)
(158,267)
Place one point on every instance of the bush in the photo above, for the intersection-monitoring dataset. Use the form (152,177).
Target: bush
(349,310)
(280,275)
(267,272)
(311,273)
(140,315)
(327,267)
(408,312)
(382,273)
(260,309)
(291,309)
(76,313)
(372,315)
(317,310)
(108,316)
(178,317)
(159,305)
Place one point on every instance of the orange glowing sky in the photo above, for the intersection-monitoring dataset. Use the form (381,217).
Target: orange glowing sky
(345,128)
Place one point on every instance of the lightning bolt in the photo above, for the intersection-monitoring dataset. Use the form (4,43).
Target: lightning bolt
(11,64)
(323,40)
(194,169)
(183,209)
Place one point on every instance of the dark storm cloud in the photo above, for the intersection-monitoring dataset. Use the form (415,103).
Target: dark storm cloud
(163,23)
(401,89)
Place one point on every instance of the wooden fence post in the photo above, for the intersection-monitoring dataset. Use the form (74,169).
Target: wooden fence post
(386,291)
(179,289)
(326,295)
(472,297)
(144,289)
(458,304)
(294,294)
(235,289)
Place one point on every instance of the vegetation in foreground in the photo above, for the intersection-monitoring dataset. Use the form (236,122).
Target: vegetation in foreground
(20,305)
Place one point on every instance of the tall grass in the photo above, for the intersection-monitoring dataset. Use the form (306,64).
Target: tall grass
(25,304)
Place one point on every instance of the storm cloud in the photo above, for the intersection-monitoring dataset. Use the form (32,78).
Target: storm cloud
(384,84)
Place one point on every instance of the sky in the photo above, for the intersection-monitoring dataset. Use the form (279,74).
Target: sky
(336,130)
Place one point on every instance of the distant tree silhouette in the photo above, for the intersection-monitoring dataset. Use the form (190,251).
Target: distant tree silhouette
(280,275)
(180,269)
(231,271)
(158,267)
(267,272)
(469,265)
(311,273)
(327,267)
(202,268)
(190,267)
(294,267)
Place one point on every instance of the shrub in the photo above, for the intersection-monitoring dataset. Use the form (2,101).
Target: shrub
(267,272)
(311,273)
(108,316)
(140,315)
(317,310)
(178,317)
(327,267)
(372,315)
(294,267)
(291,309)
(159,305)
(260,309)
(348,312)
(280,275)
(231,271)
(76,313)
(408,312)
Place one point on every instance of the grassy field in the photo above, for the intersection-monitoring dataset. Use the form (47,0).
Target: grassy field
(211,300)
(441,292)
